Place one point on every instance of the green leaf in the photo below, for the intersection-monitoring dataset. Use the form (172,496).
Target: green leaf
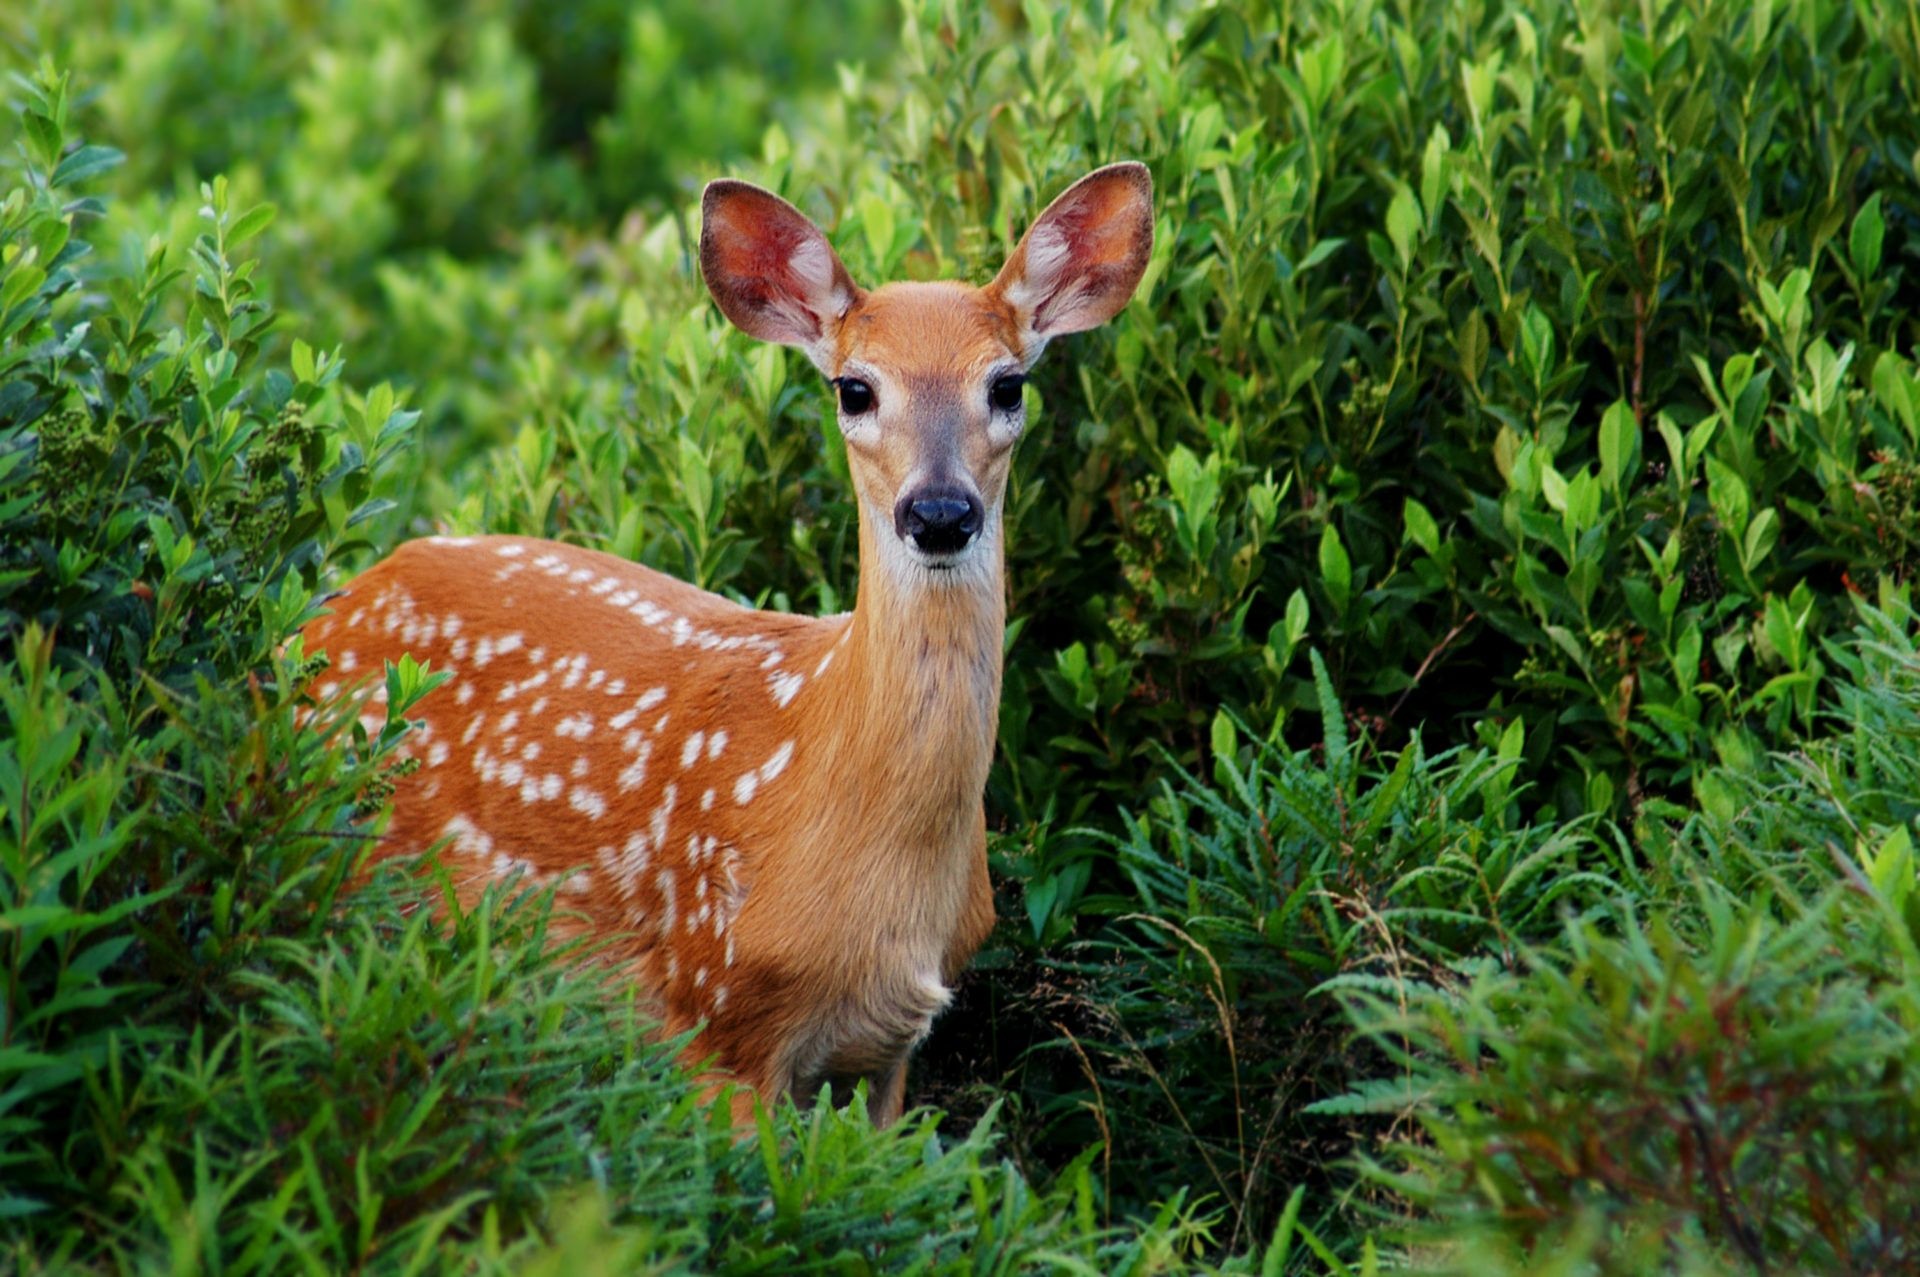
(1226,741)
(1513,740)
(1403,225)
(1420,527)
(1898,391)
(1297,616)
(249,224)
(1760,537)
(86,162)
(1619,445)
(1727,494)
(1274,1262)
(1536,344)
(1863,244)
(1336,569)
(44,135)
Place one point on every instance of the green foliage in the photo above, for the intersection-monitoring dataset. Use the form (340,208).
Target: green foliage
(1442,821)
(1201,1006)
(212,1056)
(1735,1073)
(166,510)
(1508,386)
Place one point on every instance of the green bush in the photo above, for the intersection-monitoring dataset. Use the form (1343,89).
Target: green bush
(166,512)
(1202,1012)
(212,1058)
(1734,1074)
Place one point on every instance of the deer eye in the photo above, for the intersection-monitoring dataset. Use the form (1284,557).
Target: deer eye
(1006,392)
(856,396)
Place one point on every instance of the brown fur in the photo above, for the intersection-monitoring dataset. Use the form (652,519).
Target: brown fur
(774,821)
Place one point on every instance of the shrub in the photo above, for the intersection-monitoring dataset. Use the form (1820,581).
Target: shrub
(1198,1027)
(166,511)
(212,1057)
(1733,1075)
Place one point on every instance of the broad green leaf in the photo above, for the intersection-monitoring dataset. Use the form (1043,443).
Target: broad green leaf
(1863,244)
(1336,569)
(1403,225)
(1619,445)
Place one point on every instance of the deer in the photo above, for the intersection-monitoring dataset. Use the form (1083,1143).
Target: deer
(771,826)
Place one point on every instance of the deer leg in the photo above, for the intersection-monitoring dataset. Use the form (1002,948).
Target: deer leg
(887,1093)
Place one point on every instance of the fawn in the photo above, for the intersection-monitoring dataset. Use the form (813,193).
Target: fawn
(774,822)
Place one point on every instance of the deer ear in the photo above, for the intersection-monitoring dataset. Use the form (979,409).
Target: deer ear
(771,270)
(1079,264)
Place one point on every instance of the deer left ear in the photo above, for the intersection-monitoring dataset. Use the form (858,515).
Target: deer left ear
(1078,265)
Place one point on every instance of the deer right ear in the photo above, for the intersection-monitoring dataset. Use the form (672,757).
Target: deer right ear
(771,270)
(1077,266)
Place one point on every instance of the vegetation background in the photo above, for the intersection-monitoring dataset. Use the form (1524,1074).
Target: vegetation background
(1461,750)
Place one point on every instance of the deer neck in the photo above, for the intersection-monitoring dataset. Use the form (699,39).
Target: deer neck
(918,696)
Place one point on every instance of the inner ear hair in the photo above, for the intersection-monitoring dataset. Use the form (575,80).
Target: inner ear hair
(1080,262)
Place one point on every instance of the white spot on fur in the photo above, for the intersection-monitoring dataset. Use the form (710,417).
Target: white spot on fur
(635,772)
(632,862)
(586,801)
(661,815)
(785,686)
(669,902)
(691,749)
(468,838)
(717,745)
(777,763)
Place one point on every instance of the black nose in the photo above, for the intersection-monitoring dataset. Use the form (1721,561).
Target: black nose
(938,522)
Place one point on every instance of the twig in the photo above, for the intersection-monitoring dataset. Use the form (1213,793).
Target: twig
(1432,656)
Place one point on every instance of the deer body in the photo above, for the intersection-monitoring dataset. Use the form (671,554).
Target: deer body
(773,822)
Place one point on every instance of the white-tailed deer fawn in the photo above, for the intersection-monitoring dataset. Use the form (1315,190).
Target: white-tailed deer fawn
(774,821)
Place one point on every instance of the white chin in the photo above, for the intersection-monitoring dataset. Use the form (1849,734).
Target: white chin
(939,562)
